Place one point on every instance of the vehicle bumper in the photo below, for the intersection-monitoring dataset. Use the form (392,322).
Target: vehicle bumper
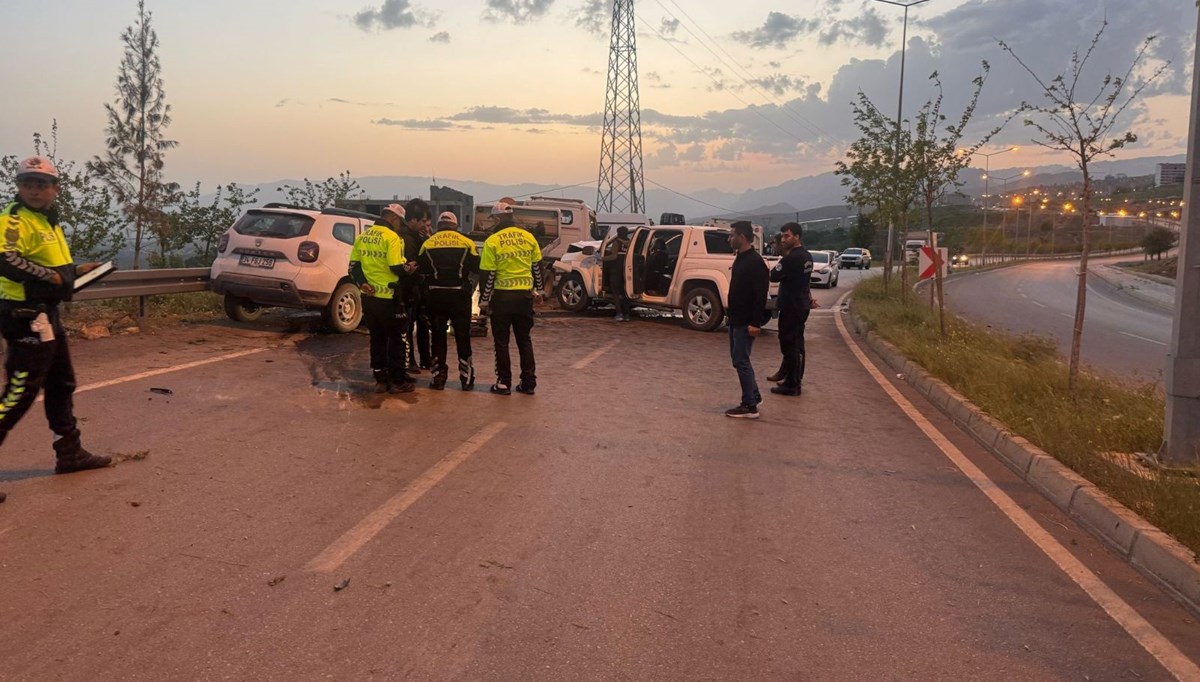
(269,291)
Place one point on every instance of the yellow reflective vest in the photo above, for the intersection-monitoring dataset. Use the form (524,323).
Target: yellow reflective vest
(32,250)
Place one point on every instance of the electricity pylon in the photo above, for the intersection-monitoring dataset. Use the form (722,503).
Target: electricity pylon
(621,188)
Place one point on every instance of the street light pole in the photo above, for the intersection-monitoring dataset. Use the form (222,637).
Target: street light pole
(987,171)
(888,255)
(1181,432)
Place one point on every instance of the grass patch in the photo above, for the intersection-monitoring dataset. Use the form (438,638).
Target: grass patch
(1020,381)
(194,305)
(1167,267)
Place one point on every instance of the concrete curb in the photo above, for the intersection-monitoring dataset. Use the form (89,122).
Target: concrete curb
(1156,555)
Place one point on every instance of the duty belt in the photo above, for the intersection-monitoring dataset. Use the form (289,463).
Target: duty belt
(456,287)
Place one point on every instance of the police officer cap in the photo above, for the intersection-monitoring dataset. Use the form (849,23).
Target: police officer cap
(37,167)
(395,209)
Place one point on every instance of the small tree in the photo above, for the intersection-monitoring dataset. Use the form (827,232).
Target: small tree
(1158,241)
(328,192)
(132,165)
(862,234)
(90,220)
(937,160)
(1083,128)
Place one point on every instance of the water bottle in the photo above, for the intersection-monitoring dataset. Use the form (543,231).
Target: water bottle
(41,325)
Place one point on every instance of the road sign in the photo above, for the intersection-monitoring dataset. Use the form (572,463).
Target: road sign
(925,260)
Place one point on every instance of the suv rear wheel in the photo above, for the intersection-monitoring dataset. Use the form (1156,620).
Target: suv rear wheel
(241,310)
(572,294)
(702,309)
(344,311)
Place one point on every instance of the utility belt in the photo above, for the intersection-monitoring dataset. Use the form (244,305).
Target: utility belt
(448,287)
(40,316)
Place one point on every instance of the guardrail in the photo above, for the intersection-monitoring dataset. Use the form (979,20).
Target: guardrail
(143,283)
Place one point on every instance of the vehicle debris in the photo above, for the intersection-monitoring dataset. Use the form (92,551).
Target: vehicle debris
(162,391)
(342,585)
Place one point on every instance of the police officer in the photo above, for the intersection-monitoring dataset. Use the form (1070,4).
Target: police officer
(511,267)
(447,260)
(36,274)
(378,266)
(415,229)
(793,272)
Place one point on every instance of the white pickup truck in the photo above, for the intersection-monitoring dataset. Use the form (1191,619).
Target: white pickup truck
(668,267)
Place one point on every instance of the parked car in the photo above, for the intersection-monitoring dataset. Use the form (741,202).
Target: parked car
(855,257)
(667,267)
(825,269)
(291,257)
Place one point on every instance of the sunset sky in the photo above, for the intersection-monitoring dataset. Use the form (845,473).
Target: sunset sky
(734,95)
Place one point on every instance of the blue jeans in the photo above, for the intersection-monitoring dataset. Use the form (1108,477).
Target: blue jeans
(740,345)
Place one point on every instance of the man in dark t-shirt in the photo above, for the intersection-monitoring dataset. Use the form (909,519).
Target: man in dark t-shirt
(793,273)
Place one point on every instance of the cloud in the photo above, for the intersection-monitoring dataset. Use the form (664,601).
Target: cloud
(415,124)
(440,37)
(779,84)
(493,114)
(868,28)
(652,79)
(669,27)
(593,16)
(516,11)
(778,30)
(391,15)
(340,100)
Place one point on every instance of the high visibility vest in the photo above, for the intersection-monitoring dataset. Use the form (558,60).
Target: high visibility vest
(511,252)
(378,249)
(30,235)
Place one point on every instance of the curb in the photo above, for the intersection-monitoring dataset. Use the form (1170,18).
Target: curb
(1120,280)
(1156,555)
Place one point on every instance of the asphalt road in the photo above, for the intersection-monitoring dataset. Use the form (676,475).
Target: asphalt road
(1122,336)
(615,526)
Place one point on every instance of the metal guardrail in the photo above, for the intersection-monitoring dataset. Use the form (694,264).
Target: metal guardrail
(141,283)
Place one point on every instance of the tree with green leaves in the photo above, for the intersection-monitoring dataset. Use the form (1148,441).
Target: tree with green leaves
(878,173)
(93,225)
(1158,241)
(328,192)
(200,224)
(863,232)
(132,165)
(1084,128)
(937,159)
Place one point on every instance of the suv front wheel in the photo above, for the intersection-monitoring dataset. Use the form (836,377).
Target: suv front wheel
(344,311)
(702,309)
(240,309)
(572,294)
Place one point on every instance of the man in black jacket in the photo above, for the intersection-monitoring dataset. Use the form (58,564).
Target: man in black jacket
(417,223)
(748,283)
(793,273)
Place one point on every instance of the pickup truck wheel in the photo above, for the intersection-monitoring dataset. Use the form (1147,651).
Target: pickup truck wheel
(572,295)
(344,312)
(702,309)
(241,310)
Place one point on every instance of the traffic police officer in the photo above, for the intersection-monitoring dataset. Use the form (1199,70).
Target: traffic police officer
(511,266)
(36,274)
(377,266)
(447,260)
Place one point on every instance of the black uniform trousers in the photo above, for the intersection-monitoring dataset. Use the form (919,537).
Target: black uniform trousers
(451,306)
(385,320)
(32,365)
(616,287)
(513,310)
(791,341)
(417,333)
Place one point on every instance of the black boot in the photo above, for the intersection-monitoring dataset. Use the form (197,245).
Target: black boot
(72,457)
(381,380)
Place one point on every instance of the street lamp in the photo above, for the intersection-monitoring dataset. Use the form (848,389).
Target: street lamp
(899,111)
(1016,234)
(987,164)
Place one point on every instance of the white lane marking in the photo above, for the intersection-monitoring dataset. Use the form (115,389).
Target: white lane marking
(1022,294)
(1130,620)
(593,356)
(1040,305)
(1069,317)
(354,539)
(164,370)
(1141,338)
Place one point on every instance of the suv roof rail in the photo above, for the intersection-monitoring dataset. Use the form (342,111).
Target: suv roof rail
(280,204)
(333,210)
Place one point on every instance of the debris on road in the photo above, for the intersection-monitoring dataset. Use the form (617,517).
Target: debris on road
(278,579)
(162,391)
(3,497)
(135,504)
(130,456)
(342,585)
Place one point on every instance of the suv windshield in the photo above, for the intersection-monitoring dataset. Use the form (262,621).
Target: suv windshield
(852,252)
(271,224)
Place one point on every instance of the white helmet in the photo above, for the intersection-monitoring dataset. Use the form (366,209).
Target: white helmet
(501,206)
(396,209)
(36,166)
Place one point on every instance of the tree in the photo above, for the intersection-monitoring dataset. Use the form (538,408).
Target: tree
(1158,241)
(937,160)
(878,174)
(862,233)
(1084,129)
(132,166)
(92,224)
(322,194)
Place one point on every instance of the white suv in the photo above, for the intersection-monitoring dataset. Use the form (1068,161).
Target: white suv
(293,257)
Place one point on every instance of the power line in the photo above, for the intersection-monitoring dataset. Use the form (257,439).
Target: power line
(540,191)
(699,201)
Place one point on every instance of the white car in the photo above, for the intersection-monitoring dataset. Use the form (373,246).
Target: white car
(291,257)
(825,269)
(855,257)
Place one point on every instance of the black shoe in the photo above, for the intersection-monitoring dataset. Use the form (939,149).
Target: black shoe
(438,384)
(382,386)
(527,390)
(469,387)
(784,390)
(742,412)
(406,387)
(3,497)
(408,379)
(500,389)
(426,364)
(72,457)
(776,377)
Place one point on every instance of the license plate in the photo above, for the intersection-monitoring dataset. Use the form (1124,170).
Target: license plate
(256,261)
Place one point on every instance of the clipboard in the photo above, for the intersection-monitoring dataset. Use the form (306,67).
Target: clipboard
(95,275)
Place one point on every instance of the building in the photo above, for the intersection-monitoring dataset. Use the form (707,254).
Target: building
(440,199)
(1169,174)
